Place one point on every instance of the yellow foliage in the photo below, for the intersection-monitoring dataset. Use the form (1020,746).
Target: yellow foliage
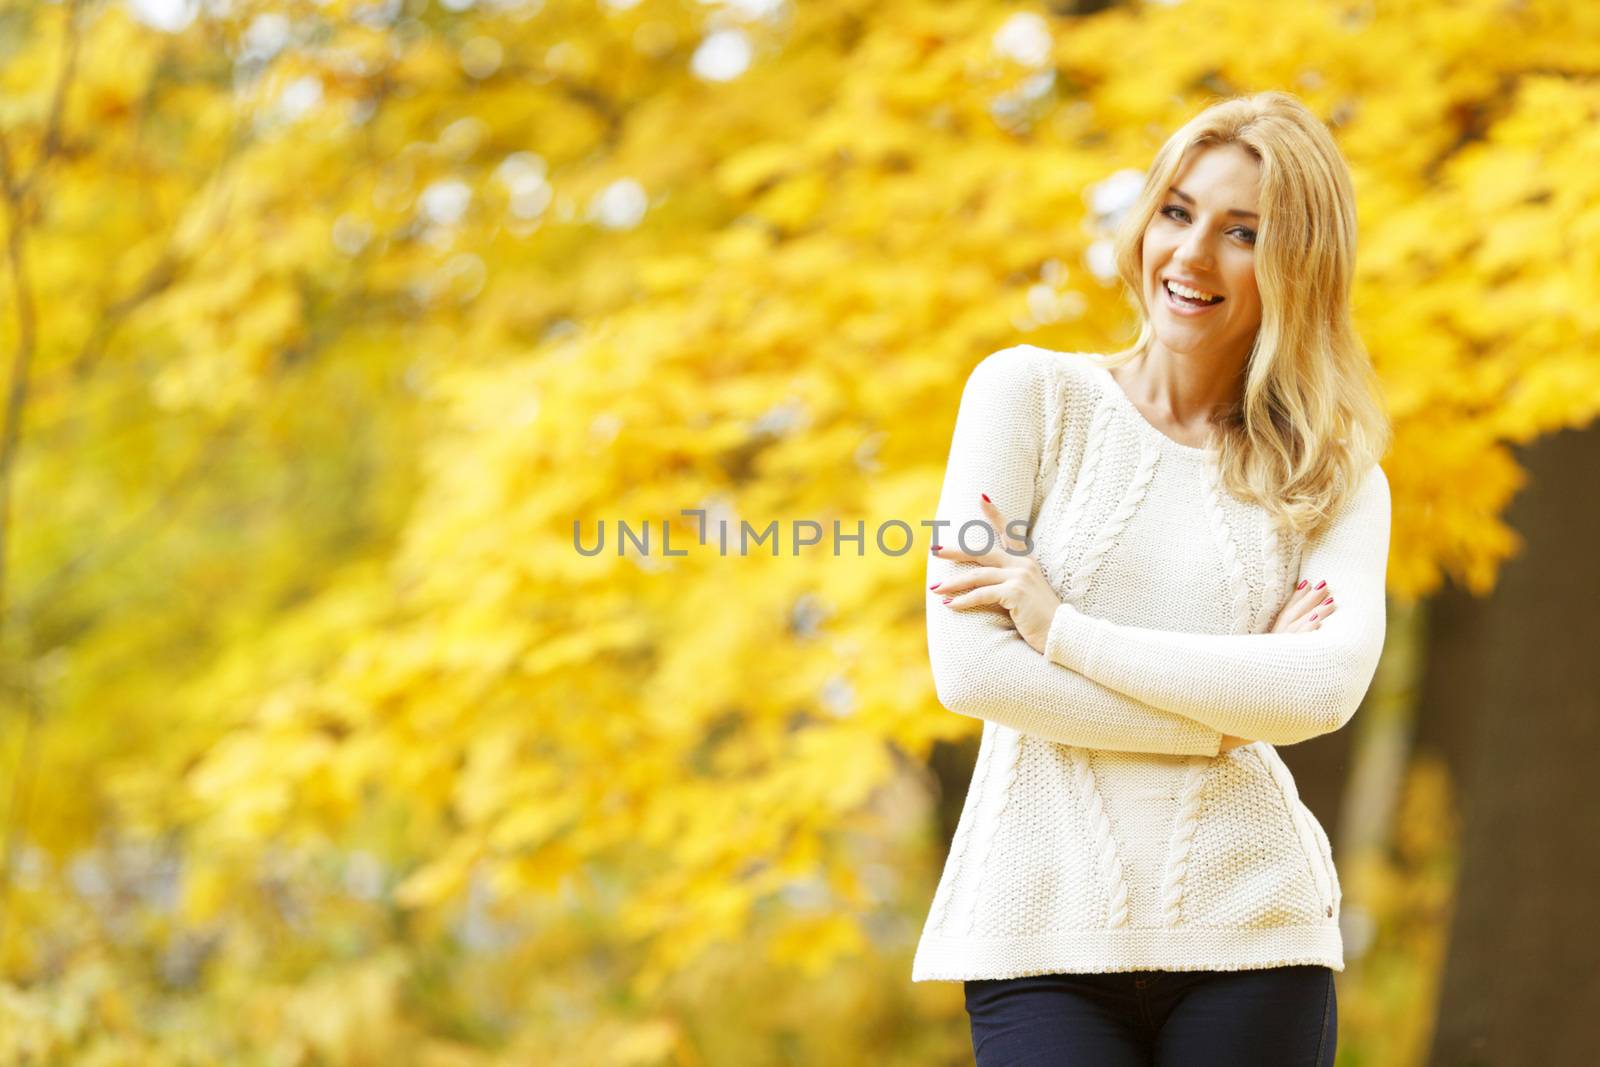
(339,322)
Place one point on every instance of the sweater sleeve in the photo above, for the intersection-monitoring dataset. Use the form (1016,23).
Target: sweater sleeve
(981,666)
(1279,688)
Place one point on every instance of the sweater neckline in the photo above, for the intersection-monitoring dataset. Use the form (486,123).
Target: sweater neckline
(1146,427)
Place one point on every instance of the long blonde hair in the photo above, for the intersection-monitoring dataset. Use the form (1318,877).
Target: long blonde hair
(1311,421)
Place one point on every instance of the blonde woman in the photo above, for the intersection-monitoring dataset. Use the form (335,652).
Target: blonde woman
(1152,569)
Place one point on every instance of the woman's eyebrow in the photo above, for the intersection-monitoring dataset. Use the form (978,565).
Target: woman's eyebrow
(1231,210)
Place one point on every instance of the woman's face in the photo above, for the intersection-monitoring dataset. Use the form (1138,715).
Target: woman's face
(1203,235)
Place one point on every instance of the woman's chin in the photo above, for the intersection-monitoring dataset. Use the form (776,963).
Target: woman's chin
(1183,337)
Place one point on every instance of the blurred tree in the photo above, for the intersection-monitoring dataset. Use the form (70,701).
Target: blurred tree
(1513,700)
(343,313)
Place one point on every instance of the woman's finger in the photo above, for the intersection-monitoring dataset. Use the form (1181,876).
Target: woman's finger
(998,595)
(953,554)
(1318,603)
(1013,545)
(968,580)
(1295,616)
(1313,619)
(1304,601)
(1305,597)
(956,554)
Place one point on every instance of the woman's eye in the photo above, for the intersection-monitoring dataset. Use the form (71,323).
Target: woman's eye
(1243,231)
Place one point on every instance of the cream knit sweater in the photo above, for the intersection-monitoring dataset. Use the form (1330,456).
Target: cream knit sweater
(1102,830)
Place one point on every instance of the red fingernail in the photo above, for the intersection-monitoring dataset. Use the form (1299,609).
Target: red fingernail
(948,599)
(1322,583)
(1328,601)
(935,548)
(986,499)
(1302,584)
(1313,616)
(935,585)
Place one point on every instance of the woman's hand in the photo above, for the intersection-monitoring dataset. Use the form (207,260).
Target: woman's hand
(1013,582)
(1304,611)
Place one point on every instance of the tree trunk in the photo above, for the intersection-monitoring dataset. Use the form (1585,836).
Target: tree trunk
(1511,698)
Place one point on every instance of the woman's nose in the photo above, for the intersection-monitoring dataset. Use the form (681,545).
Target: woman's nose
(1195,251)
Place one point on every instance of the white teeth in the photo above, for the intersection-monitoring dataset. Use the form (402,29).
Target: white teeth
(1192,294)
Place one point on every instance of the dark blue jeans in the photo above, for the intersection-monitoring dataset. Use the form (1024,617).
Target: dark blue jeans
(1274,1016)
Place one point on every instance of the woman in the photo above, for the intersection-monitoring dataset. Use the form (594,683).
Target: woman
(1187,566)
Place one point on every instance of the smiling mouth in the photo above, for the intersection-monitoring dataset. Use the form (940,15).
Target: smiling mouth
(1184,301)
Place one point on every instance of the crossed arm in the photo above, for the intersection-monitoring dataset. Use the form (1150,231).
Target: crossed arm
(1104,685)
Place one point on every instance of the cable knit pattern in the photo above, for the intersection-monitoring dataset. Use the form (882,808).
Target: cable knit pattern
(1103,830)
(1055,424)
(1183,828)
(970,817)
(1082,490)
(1266,614)
(1106,860)
(1007,752)
(1232,565)
(1107,538)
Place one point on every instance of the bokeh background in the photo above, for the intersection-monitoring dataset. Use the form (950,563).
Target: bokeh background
(324,322)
